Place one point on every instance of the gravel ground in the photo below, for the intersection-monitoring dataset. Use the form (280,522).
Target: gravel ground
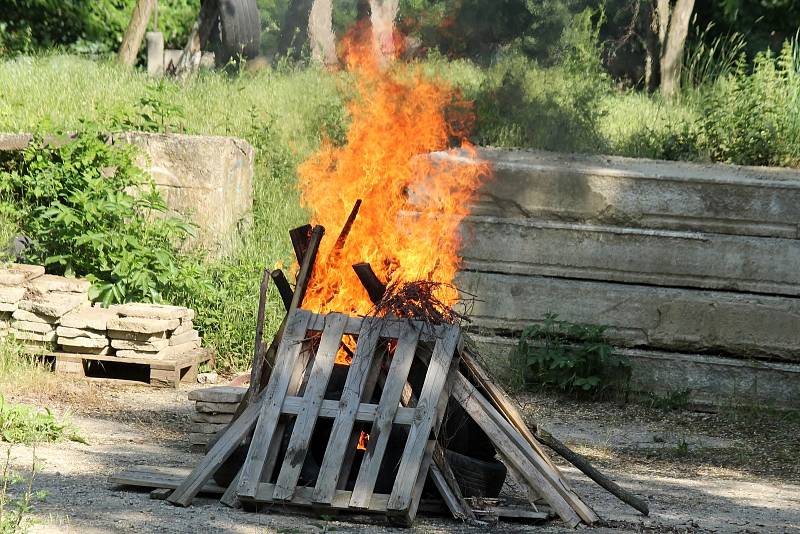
(701,472)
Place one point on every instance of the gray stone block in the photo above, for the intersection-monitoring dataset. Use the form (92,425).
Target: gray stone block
(638,255)
(62,284)
(151,311)
(29,326)
(643,193)
(83,342)
(232,394)
(16,274)
(94,318)
(141,346)
(66,331)
(216,407)
(11,294)
(23,315)
(220,418)
(52,305)
(673,319)
(141,325)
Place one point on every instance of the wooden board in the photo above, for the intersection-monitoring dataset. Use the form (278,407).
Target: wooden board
(373,347)
(162,373)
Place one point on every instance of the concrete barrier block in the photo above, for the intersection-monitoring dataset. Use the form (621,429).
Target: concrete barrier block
(674,319)
(638,255)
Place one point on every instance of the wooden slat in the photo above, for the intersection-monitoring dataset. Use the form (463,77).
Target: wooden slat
(229,498)
(445,481)
(307,418)
(427,405)
(516,459)
(146,476)
(215,457)
(390,328)
(351,397)
(330,409)
(387,408)
(270,407)
(304,496)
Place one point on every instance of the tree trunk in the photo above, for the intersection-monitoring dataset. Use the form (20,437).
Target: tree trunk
(673,29)
(293,30)
(132,40)
(382,16)
(320,32)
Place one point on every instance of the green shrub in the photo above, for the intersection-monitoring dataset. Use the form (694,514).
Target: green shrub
(91,212)
(569,356)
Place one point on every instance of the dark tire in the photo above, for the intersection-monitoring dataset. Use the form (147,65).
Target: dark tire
(240,31)
(477,478)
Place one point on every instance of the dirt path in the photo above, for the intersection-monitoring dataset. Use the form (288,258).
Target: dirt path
(697,470)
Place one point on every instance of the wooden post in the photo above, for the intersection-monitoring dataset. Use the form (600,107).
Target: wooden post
(132,40)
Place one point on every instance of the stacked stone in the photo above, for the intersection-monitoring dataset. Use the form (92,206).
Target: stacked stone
(214,409)
(47,298)
(12,290)
(152,331)
(85,331)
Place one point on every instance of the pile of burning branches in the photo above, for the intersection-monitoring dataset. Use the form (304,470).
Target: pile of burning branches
(418,300)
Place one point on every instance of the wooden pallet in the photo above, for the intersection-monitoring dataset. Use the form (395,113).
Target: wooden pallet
(307,358)
(156,372)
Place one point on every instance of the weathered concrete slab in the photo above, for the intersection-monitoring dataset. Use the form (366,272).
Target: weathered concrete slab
(685,320)
(638,255)
(232,394)
(206,178)
(707,380)
(642,193)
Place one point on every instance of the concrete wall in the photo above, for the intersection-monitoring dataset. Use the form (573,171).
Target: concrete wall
(205,178)
(695,268)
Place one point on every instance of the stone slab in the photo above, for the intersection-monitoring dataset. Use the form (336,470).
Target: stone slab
(206,428)
(220,418)
(673,319)
(83,342)
(168,353)
(186,337)
(93,318)
(23,315)
(185,326)
(29,326)
(7,307)
(199,439)
(11,294)
(66,331)
(15,274)
(140,346)
(52,305)
(136,336)
(711,198)
(231,394)
(637,255)
(152,311)
(94,351)
(61,284)
(216,407)
(706,379)
(32,336)
(142,325)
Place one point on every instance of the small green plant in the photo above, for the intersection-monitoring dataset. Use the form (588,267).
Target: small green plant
(569,356)
(15,510)
(682,448)
(91,212)
(157,111)
(674,400)
(25,424)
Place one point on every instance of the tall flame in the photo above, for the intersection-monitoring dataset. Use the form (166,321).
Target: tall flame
(407,227)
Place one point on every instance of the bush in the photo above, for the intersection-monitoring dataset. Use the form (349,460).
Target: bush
(569,356)
(91,212)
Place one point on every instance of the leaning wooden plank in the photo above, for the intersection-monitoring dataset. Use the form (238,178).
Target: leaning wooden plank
(469,399)
(387,408)
(304,496)
(215,457)
(554,477)
(146,476)
(270,408)
(445,482)
(501,400)
(315,392)
(307,267)
(229,498)
(427,407)
(352,393)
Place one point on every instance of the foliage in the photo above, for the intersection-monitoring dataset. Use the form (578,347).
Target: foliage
(707,58)
(25,424)
(91,212)
(569,356)
(84,25)
(15,511)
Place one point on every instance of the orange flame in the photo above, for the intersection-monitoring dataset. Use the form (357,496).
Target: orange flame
(363,439)
(407,228)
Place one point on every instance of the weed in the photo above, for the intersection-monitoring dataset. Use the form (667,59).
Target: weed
(570,356)
(25,424)
(15,510)
(674,400)
(682,448)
